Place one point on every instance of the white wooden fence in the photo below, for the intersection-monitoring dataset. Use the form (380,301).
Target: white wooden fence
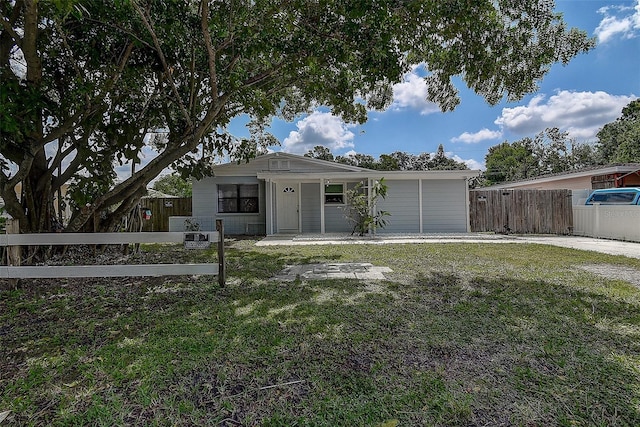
(15,271)
(607,221)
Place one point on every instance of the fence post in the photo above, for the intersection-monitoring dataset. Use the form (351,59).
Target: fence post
(14,253)
(221,272)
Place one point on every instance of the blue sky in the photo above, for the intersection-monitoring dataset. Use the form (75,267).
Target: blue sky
(578,98)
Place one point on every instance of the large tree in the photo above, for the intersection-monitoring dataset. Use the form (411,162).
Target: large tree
(550,151)
(320,152)
(86,85)
(440,161)
(509,162)
(174,185)
(396,161)
(619,141)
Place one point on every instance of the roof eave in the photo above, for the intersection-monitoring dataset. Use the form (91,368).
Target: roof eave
(372,174)
(570,175)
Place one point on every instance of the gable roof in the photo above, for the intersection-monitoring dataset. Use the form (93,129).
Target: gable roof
(292,166)
(296,164)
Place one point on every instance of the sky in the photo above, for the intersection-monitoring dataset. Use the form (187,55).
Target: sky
(578,98)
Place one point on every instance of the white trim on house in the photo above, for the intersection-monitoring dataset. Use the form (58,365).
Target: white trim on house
(368,174)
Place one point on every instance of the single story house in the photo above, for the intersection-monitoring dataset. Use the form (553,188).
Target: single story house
(280,193)
(582,181)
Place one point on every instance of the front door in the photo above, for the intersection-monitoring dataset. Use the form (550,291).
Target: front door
(287,207)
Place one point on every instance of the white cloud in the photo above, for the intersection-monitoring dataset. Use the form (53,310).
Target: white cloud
(412,94)
(471,163)
(319,129)
(620,21)
(581,114)
(482,135)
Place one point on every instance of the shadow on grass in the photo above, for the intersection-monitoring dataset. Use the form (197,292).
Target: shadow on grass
(442,349)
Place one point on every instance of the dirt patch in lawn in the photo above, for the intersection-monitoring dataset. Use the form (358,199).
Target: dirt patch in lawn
(610,271)
(322,271)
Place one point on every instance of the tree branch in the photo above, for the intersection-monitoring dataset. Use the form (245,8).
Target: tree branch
(168,72)
(71,57)
(211,53)
(92,106)
(29,42)
(9,29)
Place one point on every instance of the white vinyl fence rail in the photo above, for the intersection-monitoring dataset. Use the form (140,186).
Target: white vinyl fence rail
(607,221)
(14,271)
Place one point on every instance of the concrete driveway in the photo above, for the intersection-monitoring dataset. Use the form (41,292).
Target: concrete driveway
(612,247)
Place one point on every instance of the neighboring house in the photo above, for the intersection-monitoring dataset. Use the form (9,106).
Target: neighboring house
(285,193)
(66,213)
(583,181)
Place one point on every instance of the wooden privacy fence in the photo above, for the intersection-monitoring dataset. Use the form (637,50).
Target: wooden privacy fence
(15,271)
(161,209)
(521,211)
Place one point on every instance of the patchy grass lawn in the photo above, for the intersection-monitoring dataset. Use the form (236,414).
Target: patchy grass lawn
(459,334)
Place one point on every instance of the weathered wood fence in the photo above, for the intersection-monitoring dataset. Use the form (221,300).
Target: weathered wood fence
(521,211)
(161,209)
(13,269)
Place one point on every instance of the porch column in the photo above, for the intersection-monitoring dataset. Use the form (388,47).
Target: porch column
(269,213)
(299,190)
(420,204)
(372,208)
(467,203)
(321,205)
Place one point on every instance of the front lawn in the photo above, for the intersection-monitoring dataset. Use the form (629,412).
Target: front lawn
(459,335)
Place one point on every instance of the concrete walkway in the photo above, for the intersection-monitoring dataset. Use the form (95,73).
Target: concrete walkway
(352,270)
(612,247)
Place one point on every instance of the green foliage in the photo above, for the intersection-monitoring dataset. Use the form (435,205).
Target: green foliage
(104,79)
(361,208)
(553,151)
(360,160)
(440,161)
(321,153)
(550,151)
(619,141)
(173,185)
(398,160)
(508,162)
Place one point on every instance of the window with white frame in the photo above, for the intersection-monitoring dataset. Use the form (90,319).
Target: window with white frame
(238,198)
(334,194)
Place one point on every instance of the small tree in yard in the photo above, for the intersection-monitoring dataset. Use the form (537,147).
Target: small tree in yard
(360,208)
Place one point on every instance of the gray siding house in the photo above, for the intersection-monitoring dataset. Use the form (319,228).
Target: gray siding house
(281,193)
